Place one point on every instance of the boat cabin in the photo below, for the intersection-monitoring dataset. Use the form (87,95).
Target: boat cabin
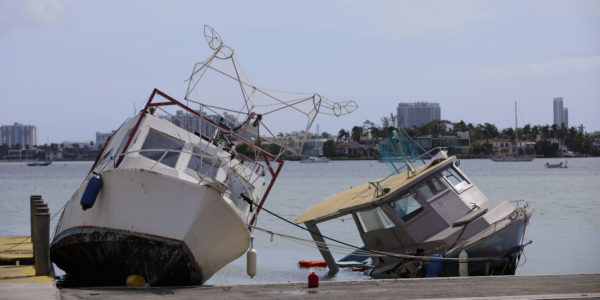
(423,214)
(154,144)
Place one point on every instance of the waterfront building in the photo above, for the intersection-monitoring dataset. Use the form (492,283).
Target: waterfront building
(18,134)
(561,113)
(459,143)
(417,113)
(508,146)
(101,138)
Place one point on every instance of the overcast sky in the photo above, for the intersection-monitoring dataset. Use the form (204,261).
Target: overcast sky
(76,67)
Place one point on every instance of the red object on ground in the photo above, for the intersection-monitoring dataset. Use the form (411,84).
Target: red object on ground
(313,280)
(312,263)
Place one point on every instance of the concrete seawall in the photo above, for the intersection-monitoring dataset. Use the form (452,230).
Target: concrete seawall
(575,286)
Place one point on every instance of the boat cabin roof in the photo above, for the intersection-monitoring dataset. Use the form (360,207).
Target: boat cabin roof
(366,195)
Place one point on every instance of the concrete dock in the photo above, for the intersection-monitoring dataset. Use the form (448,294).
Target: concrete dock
(578,286)
(18,278)
(25,268)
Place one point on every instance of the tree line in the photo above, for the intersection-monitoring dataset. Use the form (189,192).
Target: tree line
(547,138)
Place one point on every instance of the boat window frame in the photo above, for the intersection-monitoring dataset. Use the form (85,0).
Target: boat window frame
(387,222)
(165,152)
(426,198)
(413,214)
(458,189)
(201,155)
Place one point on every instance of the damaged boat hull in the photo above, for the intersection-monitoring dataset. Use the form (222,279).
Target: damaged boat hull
(165,229)
(107,256)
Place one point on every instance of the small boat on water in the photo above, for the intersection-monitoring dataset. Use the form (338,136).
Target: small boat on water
(426,219)
(559,165)
(39,163)
(175,191)
(314,159)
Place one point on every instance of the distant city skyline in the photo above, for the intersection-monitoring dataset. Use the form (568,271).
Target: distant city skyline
(18,134)
(72,72)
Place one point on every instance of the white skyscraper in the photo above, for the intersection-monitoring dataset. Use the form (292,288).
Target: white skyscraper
(18,134)
(561,114)
(417,113)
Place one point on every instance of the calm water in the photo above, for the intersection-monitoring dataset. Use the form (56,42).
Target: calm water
(565,227)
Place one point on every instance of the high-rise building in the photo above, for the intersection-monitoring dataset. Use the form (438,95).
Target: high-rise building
(18,134)
(561,114)
(417,113)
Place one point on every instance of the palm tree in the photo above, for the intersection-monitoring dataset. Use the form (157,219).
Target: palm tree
(356,133)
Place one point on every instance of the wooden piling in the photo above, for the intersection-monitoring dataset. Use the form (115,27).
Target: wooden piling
(41,244)
(33,201)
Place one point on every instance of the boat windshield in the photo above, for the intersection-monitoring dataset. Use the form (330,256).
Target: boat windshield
(406,206)
(455,179)
(374,219)
(161,143)
(203,163)
(431,188)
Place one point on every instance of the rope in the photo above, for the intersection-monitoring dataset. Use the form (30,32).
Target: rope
(20,243)
(375,252)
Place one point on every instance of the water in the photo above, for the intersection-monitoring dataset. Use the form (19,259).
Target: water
(565,228)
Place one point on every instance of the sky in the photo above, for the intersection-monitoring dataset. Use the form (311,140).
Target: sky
(73,68)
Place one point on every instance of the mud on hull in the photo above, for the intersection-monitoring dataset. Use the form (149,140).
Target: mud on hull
(103,256)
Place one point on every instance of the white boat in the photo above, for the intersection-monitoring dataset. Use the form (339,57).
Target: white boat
(172,195)
(427,219)
(514,157)
(315,159)
(559,165)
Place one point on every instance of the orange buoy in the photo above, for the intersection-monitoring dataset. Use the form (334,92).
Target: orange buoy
(312,263)
(304,264)
(318,263)
(313,280)
(135,281)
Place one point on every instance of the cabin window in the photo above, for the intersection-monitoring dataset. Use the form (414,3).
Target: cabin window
(406,206)
(202,163)
(161,142)
(455,179)
(431,188)
(374,219)
(123,143)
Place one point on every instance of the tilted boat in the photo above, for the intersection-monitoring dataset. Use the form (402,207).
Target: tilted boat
(173,193)
(425,219)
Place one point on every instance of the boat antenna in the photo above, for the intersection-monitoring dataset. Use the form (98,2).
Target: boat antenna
(411,172)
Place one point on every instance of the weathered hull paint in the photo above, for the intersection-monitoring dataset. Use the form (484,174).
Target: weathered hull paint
(146,207)
(108,256)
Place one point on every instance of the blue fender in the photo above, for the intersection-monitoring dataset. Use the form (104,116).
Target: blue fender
(91,191)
